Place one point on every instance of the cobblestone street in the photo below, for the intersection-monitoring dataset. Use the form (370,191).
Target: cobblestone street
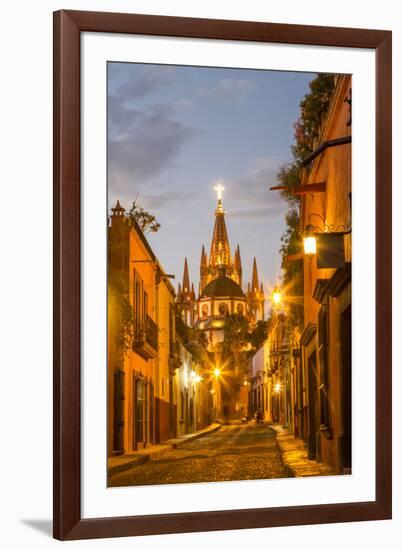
(231,453)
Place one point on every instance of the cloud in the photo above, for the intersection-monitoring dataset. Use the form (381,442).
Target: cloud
(141,145)
(184,103)
(231,89)
(153,203)
(251,190)
(164,198)
(150,79)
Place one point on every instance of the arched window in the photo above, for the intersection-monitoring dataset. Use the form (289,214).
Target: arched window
(222,309)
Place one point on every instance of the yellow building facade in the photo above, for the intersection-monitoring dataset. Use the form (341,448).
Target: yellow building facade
(156,390)
(324,401)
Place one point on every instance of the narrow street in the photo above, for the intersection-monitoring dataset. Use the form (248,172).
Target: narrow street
(231,453)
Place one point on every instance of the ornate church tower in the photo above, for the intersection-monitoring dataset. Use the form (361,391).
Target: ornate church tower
(220,259)
(255,296)
(222,271)
(220,250)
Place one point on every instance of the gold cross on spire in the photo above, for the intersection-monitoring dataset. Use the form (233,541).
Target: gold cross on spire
(219,188)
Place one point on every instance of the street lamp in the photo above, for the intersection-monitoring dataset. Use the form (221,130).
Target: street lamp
(309,241)
(277,296)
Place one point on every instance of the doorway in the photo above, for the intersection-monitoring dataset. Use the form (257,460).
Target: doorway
(140,413)
(346,390)
(312,406)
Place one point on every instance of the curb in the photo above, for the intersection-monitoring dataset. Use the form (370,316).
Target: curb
(137,461)
(289,471)
(196,436)
(302,466)
(144,458)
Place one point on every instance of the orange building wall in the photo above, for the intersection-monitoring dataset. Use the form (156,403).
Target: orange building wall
(333,167)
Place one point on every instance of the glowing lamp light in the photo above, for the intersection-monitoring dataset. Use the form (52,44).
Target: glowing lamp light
(277,297)
(277,387)
(217,373)
(193,374)
(309,242)
(198,378)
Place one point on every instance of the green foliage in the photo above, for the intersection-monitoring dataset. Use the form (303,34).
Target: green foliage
(236,339)
(145,220)
(313,109)
(195,341)
(259,334)
(289,176)
(242,340)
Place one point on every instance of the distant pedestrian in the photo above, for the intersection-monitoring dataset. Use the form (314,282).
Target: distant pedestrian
(258,416)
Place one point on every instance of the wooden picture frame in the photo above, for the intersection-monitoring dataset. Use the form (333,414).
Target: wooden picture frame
(68,26)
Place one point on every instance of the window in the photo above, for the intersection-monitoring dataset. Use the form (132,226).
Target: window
(118,442)
(222,309)
(171,329)
(181,405)
(145,304)
(137,297)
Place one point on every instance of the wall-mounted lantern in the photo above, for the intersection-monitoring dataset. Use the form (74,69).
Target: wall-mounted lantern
(326,243)
(309,241)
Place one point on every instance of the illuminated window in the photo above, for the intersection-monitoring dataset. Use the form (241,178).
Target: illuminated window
(222,309)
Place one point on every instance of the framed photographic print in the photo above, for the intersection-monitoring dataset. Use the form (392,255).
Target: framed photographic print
(210,372)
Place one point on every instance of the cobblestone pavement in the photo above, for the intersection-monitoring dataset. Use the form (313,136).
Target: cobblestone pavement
(231,453)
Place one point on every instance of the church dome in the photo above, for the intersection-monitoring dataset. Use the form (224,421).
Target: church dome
(222,287)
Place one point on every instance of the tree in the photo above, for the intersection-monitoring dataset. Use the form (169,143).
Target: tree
(194,340)
(146,221)
(237,339)
(259,334)
(313,109)
(197,345)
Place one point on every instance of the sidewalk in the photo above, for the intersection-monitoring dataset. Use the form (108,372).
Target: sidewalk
(294,455)
(121,463)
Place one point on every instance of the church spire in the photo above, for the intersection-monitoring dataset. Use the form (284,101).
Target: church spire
(237,260)
(254,282)
(203,262)
(220,250)
(186,278)
(237,265)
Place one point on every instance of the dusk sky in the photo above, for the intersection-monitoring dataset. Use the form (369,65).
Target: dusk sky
(175,132)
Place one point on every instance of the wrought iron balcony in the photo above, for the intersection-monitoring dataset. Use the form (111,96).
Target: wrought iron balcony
(280,348)
(145,341)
